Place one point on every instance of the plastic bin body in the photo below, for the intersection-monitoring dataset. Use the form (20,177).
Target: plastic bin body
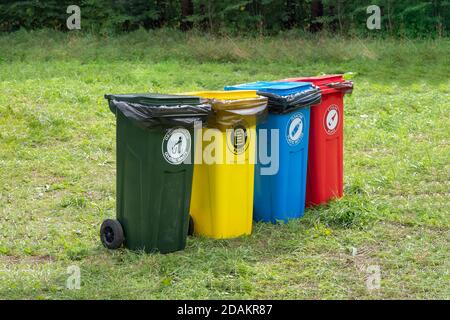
(153,184)
(325,177)
(281,197)
(222,194)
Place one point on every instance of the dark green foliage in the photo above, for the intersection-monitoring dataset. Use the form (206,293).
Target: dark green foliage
(412,18)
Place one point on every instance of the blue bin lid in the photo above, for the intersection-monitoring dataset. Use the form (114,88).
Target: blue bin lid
(275,87)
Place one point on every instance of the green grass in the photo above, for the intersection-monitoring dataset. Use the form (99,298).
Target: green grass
(57,169)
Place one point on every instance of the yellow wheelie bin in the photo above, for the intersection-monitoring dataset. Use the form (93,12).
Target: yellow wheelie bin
(222,188)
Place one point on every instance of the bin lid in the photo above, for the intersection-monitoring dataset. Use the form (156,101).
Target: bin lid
(233,107)
(149,110)
(334,83)
(156,99)
(224,95)
(318,80)
(228,100)
(275,87)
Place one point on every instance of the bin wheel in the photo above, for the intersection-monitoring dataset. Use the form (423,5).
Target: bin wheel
(111,234)
(191,226)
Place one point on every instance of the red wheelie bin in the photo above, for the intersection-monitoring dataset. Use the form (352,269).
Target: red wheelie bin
(325,177)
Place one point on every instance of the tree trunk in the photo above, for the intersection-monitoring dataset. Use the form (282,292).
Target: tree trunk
(316,12)
(290,9)
(339,14)
(187,9)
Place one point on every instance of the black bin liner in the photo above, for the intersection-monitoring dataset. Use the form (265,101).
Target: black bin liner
(149,110)
(284,104)
(344,86)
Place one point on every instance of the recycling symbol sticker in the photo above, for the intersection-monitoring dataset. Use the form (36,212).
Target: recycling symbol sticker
(331,119)
(176,145)
(238,139)
(294,132)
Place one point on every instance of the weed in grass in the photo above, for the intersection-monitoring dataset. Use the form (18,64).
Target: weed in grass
(351,211)
(77,202)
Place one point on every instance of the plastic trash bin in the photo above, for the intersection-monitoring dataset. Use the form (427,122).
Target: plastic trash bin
(325,178)
(154,170)
(281,196)
(222,189)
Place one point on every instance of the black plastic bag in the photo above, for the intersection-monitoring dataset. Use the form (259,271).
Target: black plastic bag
(156,110)
(285,104)
(345,86)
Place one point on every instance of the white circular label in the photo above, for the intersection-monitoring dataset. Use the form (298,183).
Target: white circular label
(294,132)
(238,139)
(176,145)
(331,119)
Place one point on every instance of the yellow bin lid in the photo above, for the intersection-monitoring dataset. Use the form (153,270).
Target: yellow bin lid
(231,107)
(224,95)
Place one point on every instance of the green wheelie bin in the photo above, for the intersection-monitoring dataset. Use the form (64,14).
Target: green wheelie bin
(155,143)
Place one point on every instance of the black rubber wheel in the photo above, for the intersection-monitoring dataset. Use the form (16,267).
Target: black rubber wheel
(111,234)
(191,226)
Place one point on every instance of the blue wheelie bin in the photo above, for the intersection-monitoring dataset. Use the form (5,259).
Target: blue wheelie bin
(280,196)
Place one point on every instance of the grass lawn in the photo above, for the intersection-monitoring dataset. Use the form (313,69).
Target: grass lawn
(57,169)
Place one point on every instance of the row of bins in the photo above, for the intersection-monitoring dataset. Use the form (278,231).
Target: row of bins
(173,179)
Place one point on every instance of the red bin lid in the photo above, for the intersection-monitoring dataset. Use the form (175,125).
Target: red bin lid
(330,83)
(318,80)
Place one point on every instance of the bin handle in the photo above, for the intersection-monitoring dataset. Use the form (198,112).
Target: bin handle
(345,86)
